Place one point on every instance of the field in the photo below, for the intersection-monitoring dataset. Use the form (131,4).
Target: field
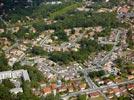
(64,10)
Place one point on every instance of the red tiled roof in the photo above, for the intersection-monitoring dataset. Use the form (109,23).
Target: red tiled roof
(94,94)
(130,86)
(123,10)
(47,90)
(116,90)
(53,86)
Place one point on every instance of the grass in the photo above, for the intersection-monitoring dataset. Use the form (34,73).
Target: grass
(97,98)
(64,10)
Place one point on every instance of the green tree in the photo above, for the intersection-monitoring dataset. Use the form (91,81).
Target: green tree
(82,97)
(130,41)
(52,97)
(62,36)
(124,98)
(7,83)
(27,93)
(38,51)
(4,93)
(4,63)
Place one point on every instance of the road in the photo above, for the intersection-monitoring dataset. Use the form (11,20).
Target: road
(97,89)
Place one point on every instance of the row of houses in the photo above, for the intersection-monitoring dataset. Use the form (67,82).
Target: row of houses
(111,92)
(64,87)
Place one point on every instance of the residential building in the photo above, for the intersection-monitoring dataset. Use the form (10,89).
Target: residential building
(47,90)
(15,74)
(16,90)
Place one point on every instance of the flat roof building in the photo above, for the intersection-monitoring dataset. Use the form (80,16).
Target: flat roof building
(15,74)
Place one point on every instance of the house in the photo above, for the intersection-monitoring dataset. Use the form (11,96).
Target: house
(82,86)
(110,96)
(53,86)
(54,2)
(117,91)
(117,79)
(2,30)
(59,83)
(94,94)
(129,77)
(104,90)
(75,85)
(16,90)
(83,9)
(123,10)
(14,29)
(47,90)
(130,86)
(98,29)
(33,30)
(63,88)
(131,2)
(101,82)
(131,71)
(5,42)
(123,89)
(110,91)
(12,61)
(70,88)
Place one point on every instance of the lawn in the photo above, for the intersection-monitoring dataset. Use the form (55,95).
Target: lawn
(97,98)
(64,10)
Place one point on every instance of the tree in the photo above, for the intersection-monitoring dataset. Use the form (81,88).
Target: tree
(4,63)
(25,33)
(124,98)
(38,51)
(27,93)
(62,36)
(4,93)
(96,74)
(130,41)
(52,97)
(7,83)
(63,57)
(82,97)
(40,26)
(107,47)
(12,4)
(119,62)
